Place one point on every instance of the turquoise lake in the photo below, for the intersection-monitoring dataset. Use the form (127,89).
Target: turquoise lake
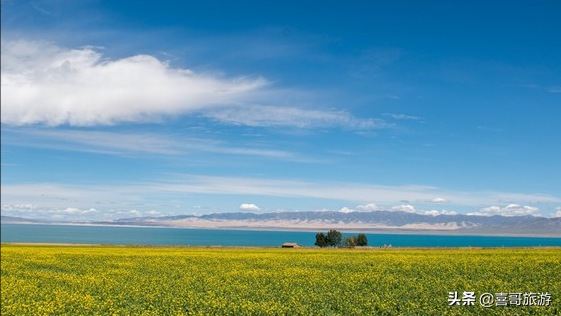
(27,233)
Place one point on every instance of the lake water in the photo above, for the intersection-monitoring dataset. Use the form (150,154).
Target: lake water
(210,237)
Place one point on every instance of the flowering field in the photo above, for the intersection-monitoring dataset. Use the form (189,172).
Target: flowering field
(104,280)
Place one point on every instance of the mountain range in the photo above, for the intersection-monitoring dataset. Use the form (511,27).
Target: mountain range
(368,222)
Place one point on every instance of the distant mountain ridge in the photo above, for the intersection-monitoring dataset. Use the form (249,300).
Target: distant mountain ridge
(375,221)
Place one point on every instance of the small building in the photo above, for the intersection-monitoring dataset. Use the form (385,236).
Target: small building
(291,245)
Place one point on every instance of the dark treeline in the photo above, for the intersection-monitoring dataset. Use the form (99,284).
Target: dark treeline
(333,238)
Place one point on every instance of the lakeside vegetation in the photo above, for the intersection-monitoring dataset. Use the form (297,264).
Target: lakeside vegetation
(126,280)
(334,238)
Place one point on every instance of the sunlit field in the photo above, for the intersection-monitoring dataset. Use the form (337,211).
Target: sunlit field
(103,280)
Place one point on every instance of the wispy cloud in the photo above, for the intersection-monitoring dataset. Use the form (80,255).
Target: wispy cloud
(142,195)
(402,116)
(294,188)
(349,191)
(550,89)
(127,143)
(279,116)
(181,184)
(91,141)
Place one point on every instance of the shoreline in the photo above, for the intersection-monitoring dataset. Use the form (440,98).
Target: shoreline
(366,248)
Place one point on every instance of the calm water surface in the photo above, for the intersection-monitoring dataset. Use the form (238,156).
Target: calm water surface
(212,237)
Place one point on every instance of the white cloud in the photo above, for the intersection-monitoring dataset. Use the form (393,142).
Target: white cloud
(50,85)
(70,210)
(434,200)
(46,84)
(346,210)
(404,208)
(509,210)
(52,212)
(437,212)
(249,207)
(369,207)
(411,209)
(398,208)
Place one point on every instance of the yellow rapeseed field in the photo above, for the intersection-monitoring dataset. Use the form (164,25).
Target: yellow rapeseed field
(119,280)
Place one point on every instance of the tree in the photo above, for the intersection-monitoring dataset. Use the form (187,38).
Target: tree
(361,240)
(321,240)
(350,241)
(334,238)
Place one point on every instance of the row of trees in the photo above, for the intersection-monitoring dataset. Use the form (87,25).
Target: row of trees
(333,238)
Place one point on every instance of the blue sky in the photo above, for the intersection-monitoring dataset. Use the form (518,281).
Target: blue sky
(115,109)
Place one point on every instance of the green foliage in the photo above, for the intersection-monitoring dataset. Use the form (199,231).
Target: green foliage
(350,241)
(361,240)
(334,238)
(321,240)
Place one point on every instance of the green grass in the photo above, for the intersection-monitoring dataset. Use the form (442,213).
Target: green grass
(100,280)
